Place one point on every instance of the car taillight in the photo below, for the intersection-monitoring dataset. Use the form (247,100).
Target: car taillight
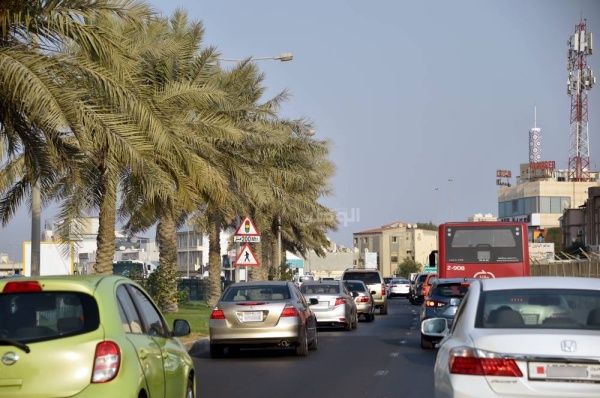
(362,299)
(25,286)
(383,289)
(467,361)
(434,303)
(289,311)
(106,362)
(217,314)
(339,301)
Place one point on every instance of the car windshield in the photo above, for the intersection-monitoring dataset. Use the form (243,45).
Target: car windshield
(320,289)
(36,316)
(369,278)
(539,309)
(256,293)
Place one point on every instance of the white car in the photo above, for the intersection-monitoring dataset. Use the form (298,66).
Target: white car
(398,287)
(521,337)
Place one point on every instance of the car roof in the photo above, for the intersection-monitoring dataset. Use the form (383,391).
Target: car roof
(454,280)
(264,283)
(537,282)
(323,282)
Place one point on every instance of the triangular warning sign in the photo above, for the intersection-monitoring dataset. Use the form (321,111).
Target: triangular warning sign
(246,257)
(247,228)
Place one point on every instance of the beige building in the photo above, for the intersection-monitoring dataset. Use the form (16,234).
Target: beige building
(386,247)
(541,195)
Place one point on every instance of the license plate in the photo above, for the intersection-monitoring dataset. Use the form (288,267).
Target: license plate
(564,371)
(323,304)
(254,316)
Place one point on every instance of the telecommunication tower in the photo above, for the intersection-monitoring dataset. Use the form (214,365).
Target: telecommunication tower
(580,81)
(535,140)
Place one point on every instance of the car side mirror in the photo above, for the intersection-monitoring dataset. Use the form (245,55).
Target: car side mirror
(435,327)
(181,327)
(354,294)
(313,301)
(373,292)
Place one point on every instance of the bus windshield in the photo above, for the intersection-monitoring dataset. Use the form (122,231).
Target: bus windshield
(482,250)
(466,244)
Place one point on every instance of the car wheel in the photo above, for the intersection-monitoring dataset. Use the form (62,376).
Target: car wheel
(371,317)
(383,310)
(189,391)
(233,350)
(355,323)
(315,343)
(426,344)
(348,326)
(216,351)
(302,347)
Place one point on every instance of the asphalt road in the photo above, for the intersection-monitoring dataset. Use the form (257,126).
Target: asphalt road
(379,359)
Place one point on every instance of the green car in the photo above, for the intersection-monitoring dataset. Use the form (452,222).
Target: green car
(89,336)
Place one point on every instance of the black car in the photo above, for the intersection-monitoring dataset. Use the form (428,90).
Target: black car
(443,300)
(415,295)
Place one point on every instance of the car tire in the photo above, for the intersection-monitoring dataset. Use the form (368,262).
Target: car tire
(216,351)
(426,344)
(355,323)
(314,345)
(383,309)
(348,326)
(302,347)
(371,317)
(189,391)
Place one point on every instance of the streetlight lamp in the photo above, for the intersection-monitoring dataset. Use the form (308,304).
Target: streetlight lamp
(284,57)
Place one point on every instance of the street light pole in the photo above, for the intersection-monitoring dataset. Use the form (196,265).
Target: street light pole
(436,206)
(450,197)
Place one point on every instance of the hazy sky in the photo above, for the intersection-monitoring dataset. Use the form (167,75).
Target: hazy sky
(412,94)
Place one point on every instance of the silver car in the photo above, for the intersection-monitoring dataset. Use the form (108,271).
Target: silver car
(521,337)
(335,306)
(262,314)
(365,305)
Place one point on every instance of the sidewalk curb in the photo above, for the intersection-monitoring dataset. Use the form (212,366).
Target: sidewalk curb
(195,348)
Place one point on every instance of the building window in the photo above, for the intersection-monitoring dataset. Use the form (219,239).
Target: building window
(394,259)
(394,239)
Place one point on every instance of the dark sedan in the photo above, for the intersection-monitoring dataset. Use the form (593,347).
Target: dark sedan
(442,301)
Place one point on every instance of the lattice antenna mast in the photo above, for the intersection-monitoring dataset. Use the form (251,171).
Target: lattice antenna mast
(580,81)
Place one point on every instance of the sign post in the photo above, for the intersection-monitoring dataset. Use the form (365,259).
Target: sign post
(246,233)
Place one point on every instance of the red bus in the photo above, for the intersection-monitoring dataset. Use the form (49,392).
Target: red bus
(482,250)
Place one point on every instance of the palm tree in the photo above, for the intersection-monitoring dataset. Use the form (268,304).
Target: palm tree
(179,85)
(38,117)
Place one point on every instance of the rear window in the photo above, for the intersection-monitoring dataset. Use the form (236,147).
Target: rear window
(37,316)
(421,278)
(368,278)
(539,309)
(356,286)
(450,290)
(256,293)
(320,289)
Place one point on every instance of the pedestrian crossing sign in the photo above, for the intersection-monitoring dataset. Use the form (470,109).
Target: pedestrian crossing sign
(246,257)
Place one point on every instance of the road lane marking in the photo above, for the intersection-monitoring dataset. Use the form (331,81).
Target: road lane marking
(381,373)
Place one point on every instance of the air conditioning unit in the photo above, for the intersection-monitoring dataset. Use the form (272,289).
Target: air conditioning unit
(579,232)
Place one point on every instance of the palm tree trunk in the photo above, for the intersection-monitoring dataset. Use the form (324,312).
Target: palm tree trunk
(105,240)
(166,288)
(214,259)
(36,234)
